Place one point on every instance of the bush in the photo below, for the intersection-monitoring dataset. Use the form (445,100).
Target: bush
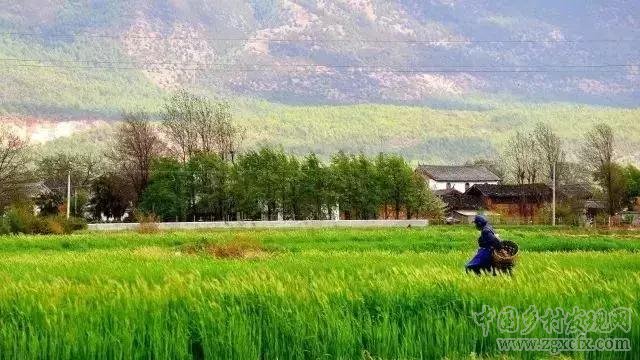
(4,227)
(148,223)
(20,219)
(240,247)
(76,224)
(54,226)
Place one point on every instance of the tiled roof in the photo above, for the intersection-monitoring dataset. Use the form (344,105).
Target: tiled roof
(575,191)
(458,201)
(466,173)
(444,192)
(541,191)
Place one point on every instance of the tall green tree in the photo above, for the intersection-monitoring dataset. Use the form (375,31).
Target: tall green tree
(110,198)
(633,180)
(318,195)
(395,180)
(212,179)
(167,194)
(356,182)
(598,152)
(618,195)
(262,182)
(293,193)
(421,201)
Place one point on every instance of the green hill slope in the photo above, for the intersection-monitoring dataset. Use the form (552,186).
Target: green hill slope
(419,133)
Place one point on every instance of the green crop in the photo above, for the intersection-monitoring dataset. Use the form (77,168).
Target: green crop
(332,294)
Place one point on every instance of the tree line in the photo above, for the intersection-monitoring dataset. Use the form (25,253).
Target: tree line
(539,156)
(189,166)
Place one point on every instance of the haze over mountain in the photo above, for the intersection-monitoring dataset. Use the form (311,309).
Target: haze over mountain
(80,60)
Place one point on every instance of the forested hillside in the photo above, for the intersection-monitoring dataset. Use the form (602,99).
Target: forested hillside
(418,133)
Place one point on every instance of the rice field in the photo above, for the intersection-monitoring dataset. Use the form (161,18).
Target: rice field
(300,294)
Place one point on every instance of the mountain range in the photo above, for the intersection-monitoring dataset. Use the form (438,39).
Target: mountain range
(80,63)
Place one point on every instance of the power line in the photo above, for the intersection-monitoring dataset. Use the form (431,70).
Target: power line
(322,40)
(166,63)
(355,68)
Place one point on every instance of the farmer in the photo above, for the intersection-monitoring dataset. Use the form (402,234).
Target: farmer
(487,242)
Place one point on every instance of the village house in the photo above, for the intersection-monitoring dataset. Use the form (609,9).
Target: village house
(459,178)
(520,201)
(34,191)
(580,199)
(461,208)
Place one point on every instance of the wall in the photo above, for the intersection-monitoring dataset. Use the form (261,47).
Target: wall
(460,186)
(514,210)
(267,224)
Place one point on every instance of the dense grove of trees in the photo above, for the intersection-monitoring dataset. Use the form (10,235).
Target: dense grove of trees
(269,184)
(192,166)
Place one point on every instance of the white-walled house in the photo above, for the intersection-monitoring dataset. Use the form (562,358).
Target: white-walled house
(460,178)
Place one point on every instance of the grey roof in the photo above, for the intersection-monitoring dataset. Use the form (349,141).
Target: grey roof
(471,173)
(575,191)
(540,191)
(450,191)
(36,189)
(595,204)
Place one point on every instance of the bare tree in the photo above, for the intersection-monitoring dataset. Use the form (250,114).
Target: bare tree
(179,122)
(135,146)
(54,169)
(194,125)
(598,153)
(522,162)
(549,148)
(14,169)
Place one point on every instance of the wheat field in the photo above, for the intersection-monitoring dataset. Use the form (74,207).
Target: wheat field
(297,294)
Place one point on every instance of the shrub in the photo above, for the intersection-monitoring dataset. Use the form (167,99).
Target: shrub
(20,219)
(4,227)
(54,226)
(76,224)
(147,223)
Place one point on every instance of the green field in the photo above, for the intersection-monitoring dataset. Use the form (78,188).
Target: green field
(330,294)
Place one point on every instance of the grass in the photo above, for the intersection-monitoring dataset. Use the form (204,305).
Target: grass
(332,294)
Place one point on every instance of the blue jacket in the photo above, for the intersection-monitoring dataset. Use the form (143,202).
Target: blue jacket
(488,238)
(487,242)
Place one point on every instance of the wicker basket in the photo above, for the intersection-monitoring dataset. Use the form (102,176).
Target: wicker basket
(502,259)
(506,256)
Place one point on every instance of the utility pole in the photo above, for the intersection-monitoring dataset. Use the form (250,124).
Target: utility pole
(69,194)
(553,220)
